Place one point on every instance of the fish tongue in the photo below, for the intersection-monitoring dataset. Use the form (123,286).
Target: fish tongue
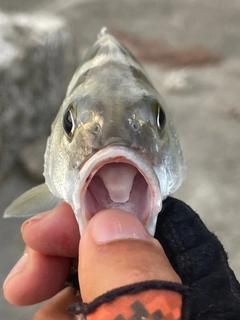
(118,179)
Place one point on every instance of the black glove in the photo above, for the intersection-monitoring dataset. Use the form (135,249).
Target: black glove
(201,262)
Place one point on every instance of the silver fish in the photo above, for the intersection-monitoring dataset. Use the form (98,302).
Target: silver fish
(112,144)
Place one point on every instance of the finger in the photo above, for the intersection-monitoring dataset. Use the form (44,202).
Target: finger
(116,250)
(35,277)
(53,233)
(56,308)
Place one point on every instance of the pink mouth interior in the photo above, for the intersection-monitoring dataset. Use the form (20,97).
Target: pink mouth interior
(118,185)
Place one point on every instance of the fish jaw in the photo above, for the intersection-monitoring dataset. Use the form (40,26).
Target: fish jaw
(117,177)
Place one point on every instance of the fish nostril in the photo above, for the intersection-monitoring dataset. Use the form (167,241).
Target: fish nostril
(96,128)
(135,125)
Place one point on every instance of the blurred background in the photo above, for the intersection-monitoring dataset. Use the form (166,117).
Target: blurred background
(191,51)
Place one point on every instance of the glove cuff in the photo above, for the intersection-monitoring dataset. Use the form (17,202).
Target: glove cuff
(142,300)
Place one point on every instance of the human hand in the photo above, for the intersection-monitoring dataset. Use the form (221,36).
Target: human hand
(195,254)
(115,250)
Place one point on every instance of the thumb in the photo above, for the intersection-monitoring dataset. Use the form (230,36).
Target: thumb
(116,250)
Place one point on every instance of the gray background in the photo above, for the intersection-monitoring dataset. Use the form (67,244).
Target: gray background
(191,51)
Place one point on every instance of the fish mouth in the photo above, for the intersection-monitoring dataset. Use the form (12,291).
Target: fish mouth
(121,178)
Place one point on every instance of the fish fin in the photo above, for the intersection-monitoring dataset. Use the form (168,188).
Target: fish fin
(32,202)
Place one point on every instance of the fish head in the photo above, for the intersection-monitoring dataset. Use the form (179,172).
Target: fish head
(113,144)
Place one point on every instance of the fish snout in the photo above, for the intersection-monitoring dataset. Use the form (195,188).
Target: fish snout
(115,135)
(115,141)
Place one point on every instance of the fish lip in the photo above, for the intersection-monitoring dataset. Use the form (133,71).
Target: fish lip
(116,154)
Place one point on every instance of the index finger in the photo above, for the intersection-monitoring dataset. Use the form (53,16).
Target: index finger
(54,232)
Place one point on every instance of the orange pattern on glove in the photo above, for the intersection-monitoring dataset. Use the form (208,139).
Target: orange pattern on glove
(150,305)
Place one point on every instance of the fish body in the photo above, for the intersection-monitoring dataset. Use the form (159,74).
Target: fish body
(112,144)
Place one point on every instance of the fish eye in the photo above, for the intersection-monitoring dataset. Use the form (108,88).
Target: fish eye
(68,122)
(135,125)
(161,118)
(159,113)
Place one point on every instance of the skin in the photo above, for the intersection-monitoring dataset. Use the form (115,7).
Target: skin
(114,250)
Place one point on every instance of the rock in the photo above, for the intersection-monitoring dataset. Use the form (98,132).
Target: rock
(38,57)
(31,157)
(180,81)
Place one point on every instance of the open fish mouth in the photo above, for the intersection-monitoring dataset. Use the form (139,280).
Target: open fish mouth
(117,177)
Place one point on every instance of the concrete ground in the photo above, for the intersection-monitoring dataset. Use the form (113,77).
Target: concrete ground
(191,50)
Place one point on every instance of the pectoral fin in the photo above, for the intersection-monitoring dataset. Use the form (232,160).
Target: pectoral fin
(32,202)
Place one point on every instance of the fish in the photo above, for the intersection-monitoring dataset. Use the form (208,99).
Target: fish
(112,144)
